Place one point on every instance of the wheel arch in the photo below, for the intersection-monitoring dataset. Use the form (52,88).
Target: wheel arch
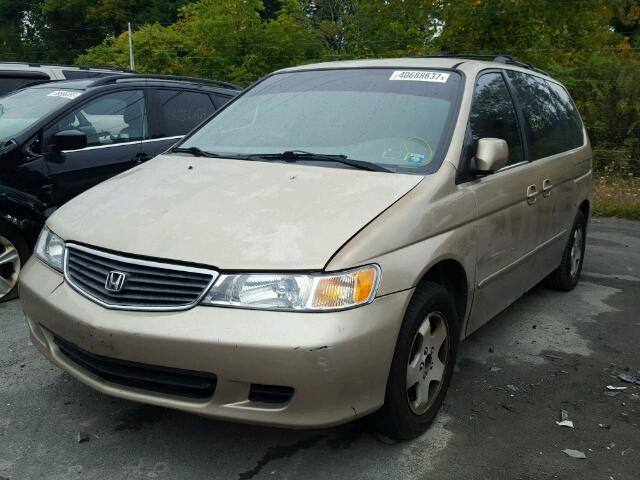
(585,208)
(451,275)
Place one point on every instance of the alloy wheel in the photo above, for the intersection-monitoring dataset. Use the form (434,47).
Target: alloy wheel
(9,266)
(427,362)
(576,252)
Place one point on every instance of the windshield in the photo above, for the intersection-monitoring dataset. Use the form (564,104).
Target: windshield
(399,119)
(23,108)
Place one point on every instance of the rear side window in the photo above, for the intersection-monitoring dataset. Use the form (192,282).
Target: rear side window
(551,119)
(183,110)
(493,115)
(10,83)
(77,74)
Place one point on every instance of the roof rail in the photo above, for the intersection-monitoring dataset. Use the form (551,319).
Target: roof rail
(115,78)
(511,61)
(458,55)
(507,59)
(106,67)
(62,65)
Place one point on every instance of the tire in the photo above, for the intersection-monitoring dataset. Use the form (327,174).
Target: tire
(406,413)
(14,252)
(567,275)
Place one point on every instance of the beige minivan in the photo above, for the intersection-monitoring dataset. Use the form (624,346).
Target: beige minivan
(316,251)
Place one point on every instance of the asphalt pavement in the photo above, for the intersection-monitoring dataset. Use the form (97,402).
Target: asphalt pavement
(548,352)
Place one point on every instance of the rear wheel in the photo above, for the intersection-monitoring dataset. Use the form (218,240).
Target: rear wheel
(13,254)
(422,364)
(566,276)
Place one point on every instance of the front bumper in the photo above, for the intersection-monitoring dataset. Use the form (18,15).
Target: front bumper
(337,363)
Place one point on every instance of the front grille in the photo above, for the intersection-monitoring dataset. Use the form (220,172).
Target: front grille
(146,285)
(171,381)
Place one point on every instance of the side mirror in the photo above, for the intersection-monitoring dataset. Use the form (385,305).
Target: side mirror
(491,155)
(69,140)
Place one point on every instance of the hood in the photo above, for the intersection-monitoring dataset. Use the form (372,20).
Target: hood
(230,214)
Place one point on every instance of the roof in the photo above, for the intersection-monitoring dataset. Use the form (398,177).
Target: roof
(435,61)
(380,62)
(138,77)
(88,83)
(82,84)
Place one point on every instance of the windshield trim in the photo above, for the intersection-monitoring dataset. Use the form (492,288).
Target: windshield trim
(449,127)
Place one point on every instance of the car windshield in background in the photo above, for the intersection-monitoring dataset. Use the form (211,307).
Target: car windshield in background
(23,108)
(399,119)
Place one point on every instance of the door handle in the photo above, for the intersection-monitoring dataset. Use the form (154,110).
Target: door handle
(546,187)
(532,194)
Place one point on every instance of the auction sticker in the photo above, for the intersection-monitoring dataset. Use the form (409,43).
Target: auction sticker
(420,76)
(70,94)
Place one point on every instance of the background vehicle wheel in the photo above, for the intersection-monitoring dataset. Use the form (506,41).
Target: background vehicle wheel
(422,364)
(566,276)
(13,254)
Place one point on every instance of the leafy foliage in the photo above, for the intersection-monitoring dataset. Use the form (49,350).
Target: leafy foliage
(589,45)
(223,39)
(59,30)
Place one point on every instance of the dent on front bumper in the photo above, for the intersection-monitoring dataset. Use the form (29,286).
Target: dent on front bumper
(337,363)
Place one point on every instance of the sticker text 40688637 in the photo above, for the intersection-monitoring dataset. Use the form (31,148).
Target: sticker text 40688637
(420,76)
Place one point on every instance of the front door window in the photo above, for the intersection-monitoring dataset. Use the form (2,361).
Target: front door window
(110,119)
(493,115)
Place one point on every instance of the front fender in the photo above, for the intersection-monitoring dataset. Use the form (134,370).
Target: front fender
(24,211)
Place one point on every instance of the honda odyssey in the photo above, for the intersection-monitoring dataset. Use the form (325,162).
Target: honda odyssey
(316,251)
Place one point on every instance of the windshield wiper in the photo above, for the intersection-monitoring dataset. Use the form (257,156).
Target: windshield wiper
(198,152)
(298,155)
(195,151)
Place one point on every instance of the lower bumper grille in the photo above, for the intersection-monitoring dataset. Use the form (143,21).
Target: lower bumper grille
(171,381)
(270,393)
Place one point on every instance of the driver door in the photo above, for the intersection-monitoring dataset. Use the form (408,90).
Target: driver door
(506,220)
(115,124)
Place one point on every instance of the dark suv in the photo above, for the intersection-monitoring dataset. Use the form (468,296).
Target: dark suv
(58,139)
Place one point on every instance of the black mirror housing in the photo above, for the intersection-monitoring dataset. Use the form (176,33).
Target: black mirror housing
(69,140)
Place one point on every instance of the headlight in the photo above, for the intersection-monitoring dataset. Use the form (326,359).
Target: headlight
(296,292)
(50,249)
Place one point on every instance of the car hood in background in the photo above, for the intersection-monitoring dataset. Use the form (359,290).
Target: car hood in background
(230,214)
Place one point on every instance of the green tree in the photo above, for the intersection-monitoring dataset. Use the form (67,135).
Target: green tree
(222,39)
(587,44)
(393,28)
(14,31)
(332,19)
(59,30)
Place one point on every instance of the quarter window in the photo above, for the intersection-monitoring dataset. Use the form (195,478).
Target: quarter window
(77,74)
(551,119)
(113,118)
(220,100)
(493,115)
(183,110)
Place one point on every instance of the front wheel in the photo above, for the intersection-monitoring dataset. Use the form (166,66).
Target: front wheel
(566,276)
(13,254)
(422,364)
